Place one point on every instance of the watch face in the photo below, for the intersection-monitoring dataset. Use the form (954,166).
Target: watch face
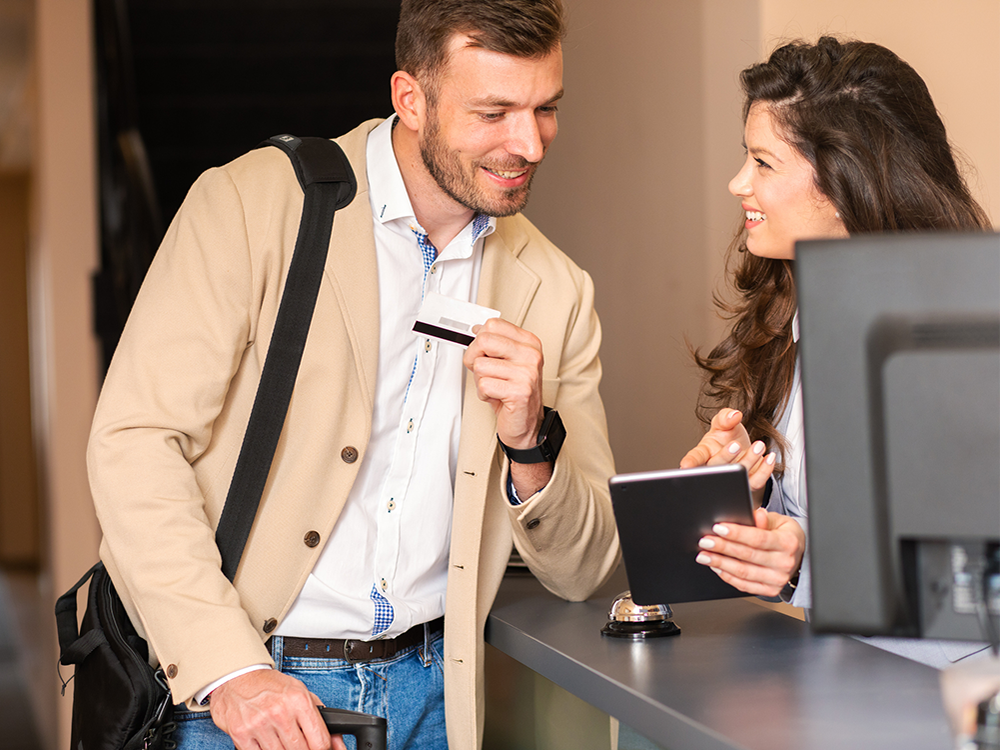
(550,439)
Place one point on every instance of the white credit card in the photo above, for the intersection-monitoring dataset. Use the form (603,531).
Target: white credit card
(450,319)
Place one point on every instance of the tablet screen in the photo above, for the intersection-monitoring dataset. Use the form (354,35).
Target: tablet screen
(661,515)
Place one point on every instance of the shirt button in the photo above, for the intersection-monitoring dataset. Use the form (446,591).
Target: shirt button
(409,427)
(312,539)
(384,585)
(349,454)
(270,625)
(533,523)
(391,505)
(434,269)
(427,345)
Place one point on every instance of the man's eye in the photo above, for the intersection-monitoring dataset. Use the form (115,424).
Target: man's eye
(549,110)
(491,116)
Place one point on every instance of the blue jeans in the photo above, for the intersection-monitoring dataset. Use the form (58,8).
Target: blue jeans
(408,690)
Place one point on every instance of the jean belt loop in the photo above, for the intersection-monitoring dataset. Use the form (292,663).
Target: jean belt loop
(427,644)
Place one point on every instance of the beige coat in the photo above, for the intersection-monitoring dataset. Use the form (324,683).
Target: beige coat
(176,401)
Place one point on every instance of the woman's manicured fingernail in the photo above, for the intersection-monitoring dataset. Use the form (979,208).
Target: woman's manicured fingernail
(758,447)
(733,413)
(706,543)
(721,530)
(703,558)
(715,570)
(734,448)
(771,458)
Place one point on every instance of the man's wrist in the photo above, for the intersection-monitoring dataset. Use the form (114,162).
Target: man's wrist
(551,435)
(202,696)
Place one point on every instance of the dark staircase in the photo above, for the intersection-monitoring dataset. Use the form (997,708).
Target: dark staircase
(185,85)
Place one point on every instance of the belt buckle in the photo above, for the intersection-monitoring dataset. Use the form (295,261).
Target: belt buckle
(352,645)
(349,649)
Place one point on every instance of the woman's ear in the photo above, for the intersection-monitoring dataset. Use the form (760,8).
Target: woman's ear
(409,100)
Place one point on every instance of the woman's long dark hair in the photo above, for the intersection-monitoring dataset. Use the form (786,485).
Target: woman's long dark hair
(866,122)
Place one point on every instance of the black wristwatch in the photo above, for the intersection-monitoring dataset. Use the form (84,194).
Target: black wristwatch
(550,439)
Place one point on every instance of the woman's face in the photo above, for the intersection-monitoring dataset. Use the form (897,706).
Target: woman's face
(777,187)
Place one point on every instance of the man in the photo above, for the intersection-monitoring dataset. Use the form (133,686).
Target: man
(391,500)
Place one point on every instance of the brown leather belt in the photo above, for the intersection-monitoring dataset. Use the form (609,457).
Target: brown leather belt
(356,650)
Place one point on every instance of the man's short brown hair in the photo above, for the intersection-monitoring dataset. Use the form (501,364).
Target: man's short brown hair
(522,28)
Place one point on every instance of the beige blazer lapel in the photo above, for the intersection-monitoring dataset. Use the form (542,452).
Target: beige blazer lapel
(351,267)
(507,285)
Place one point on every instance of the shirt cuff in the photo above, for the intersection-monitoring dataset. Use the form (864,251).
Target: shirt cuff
(512,491)
(201,697)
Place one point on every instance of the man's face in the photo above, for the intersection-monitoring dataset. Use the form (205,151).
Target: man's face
(489,125)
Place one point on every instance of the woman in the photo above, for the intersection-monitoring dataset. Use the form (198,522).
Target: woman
(842,138)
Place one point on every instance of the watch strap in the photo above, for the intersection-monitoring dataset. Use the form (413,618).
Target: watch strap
(551,435)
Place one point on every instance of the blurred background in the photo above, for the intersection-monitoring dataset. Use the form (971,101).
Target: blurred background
(109,109)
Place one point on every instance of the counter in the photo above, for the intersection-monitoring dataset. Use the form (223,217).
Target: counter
(739,675)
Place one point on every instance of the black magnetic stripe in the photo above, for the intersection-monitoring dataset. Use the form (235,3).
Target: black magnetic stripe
(443,333)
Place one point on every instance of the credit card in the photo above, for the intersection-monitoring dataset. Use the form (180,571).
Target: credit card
(450,319)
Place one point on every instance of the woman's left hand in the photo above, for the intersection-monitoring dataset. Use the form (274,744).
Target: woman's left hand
(757,559)
(727,442)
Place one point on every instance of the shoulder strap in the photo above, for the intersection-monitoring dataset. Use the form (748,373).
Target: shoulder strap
(329,184)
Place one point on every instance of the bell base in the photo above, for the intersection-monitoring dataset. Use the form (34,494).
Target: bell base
(636,631)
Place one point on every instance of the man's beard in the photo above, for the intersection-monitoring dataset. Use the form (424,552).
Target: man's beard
(459,180)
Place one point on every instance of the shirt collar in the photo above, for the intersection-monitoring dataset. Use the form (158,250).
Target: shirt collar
(387,192)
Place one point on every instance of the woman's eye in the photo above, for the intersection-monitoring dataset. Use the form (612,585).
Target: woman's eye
(761,163)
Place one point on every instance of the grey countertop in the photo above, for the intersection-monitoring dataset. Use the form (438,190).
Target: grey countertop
(739,675)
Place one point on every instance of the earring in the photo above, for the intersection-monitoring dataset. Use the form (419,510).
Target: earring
(837,214)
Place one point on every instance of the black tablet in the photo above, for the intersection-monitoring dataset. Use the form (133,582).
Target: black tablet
(661,515)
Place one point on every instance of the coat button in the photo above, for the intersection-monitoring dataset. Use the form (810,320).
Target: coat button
(533,523)
(270,625)
(172,671)
(312,539)
(349,454)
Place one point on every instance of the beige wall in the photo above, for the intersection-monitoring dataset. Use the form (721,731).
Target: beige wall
(634,192)
(955,47)
(64,352)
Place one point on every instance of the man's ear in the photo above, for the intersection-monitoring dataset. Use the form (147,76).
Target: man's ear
(409,100)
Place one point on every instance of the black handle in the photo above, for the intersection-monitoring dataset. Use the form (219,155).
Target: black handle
(370,731)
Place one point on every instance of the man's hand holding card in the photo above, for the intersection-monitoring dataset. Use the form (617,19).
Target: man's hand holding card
(506,362)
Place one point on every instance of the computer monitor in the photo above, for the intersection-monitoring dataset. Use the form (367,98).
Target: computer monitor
(900,357)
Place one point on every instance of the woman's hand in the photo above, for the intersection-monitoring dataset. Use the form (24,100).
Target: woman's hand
(757,559)
(727,442)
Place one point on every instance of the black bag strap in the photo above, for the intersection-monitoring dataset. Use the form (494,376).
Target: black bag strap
(329,184)
(72,649)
